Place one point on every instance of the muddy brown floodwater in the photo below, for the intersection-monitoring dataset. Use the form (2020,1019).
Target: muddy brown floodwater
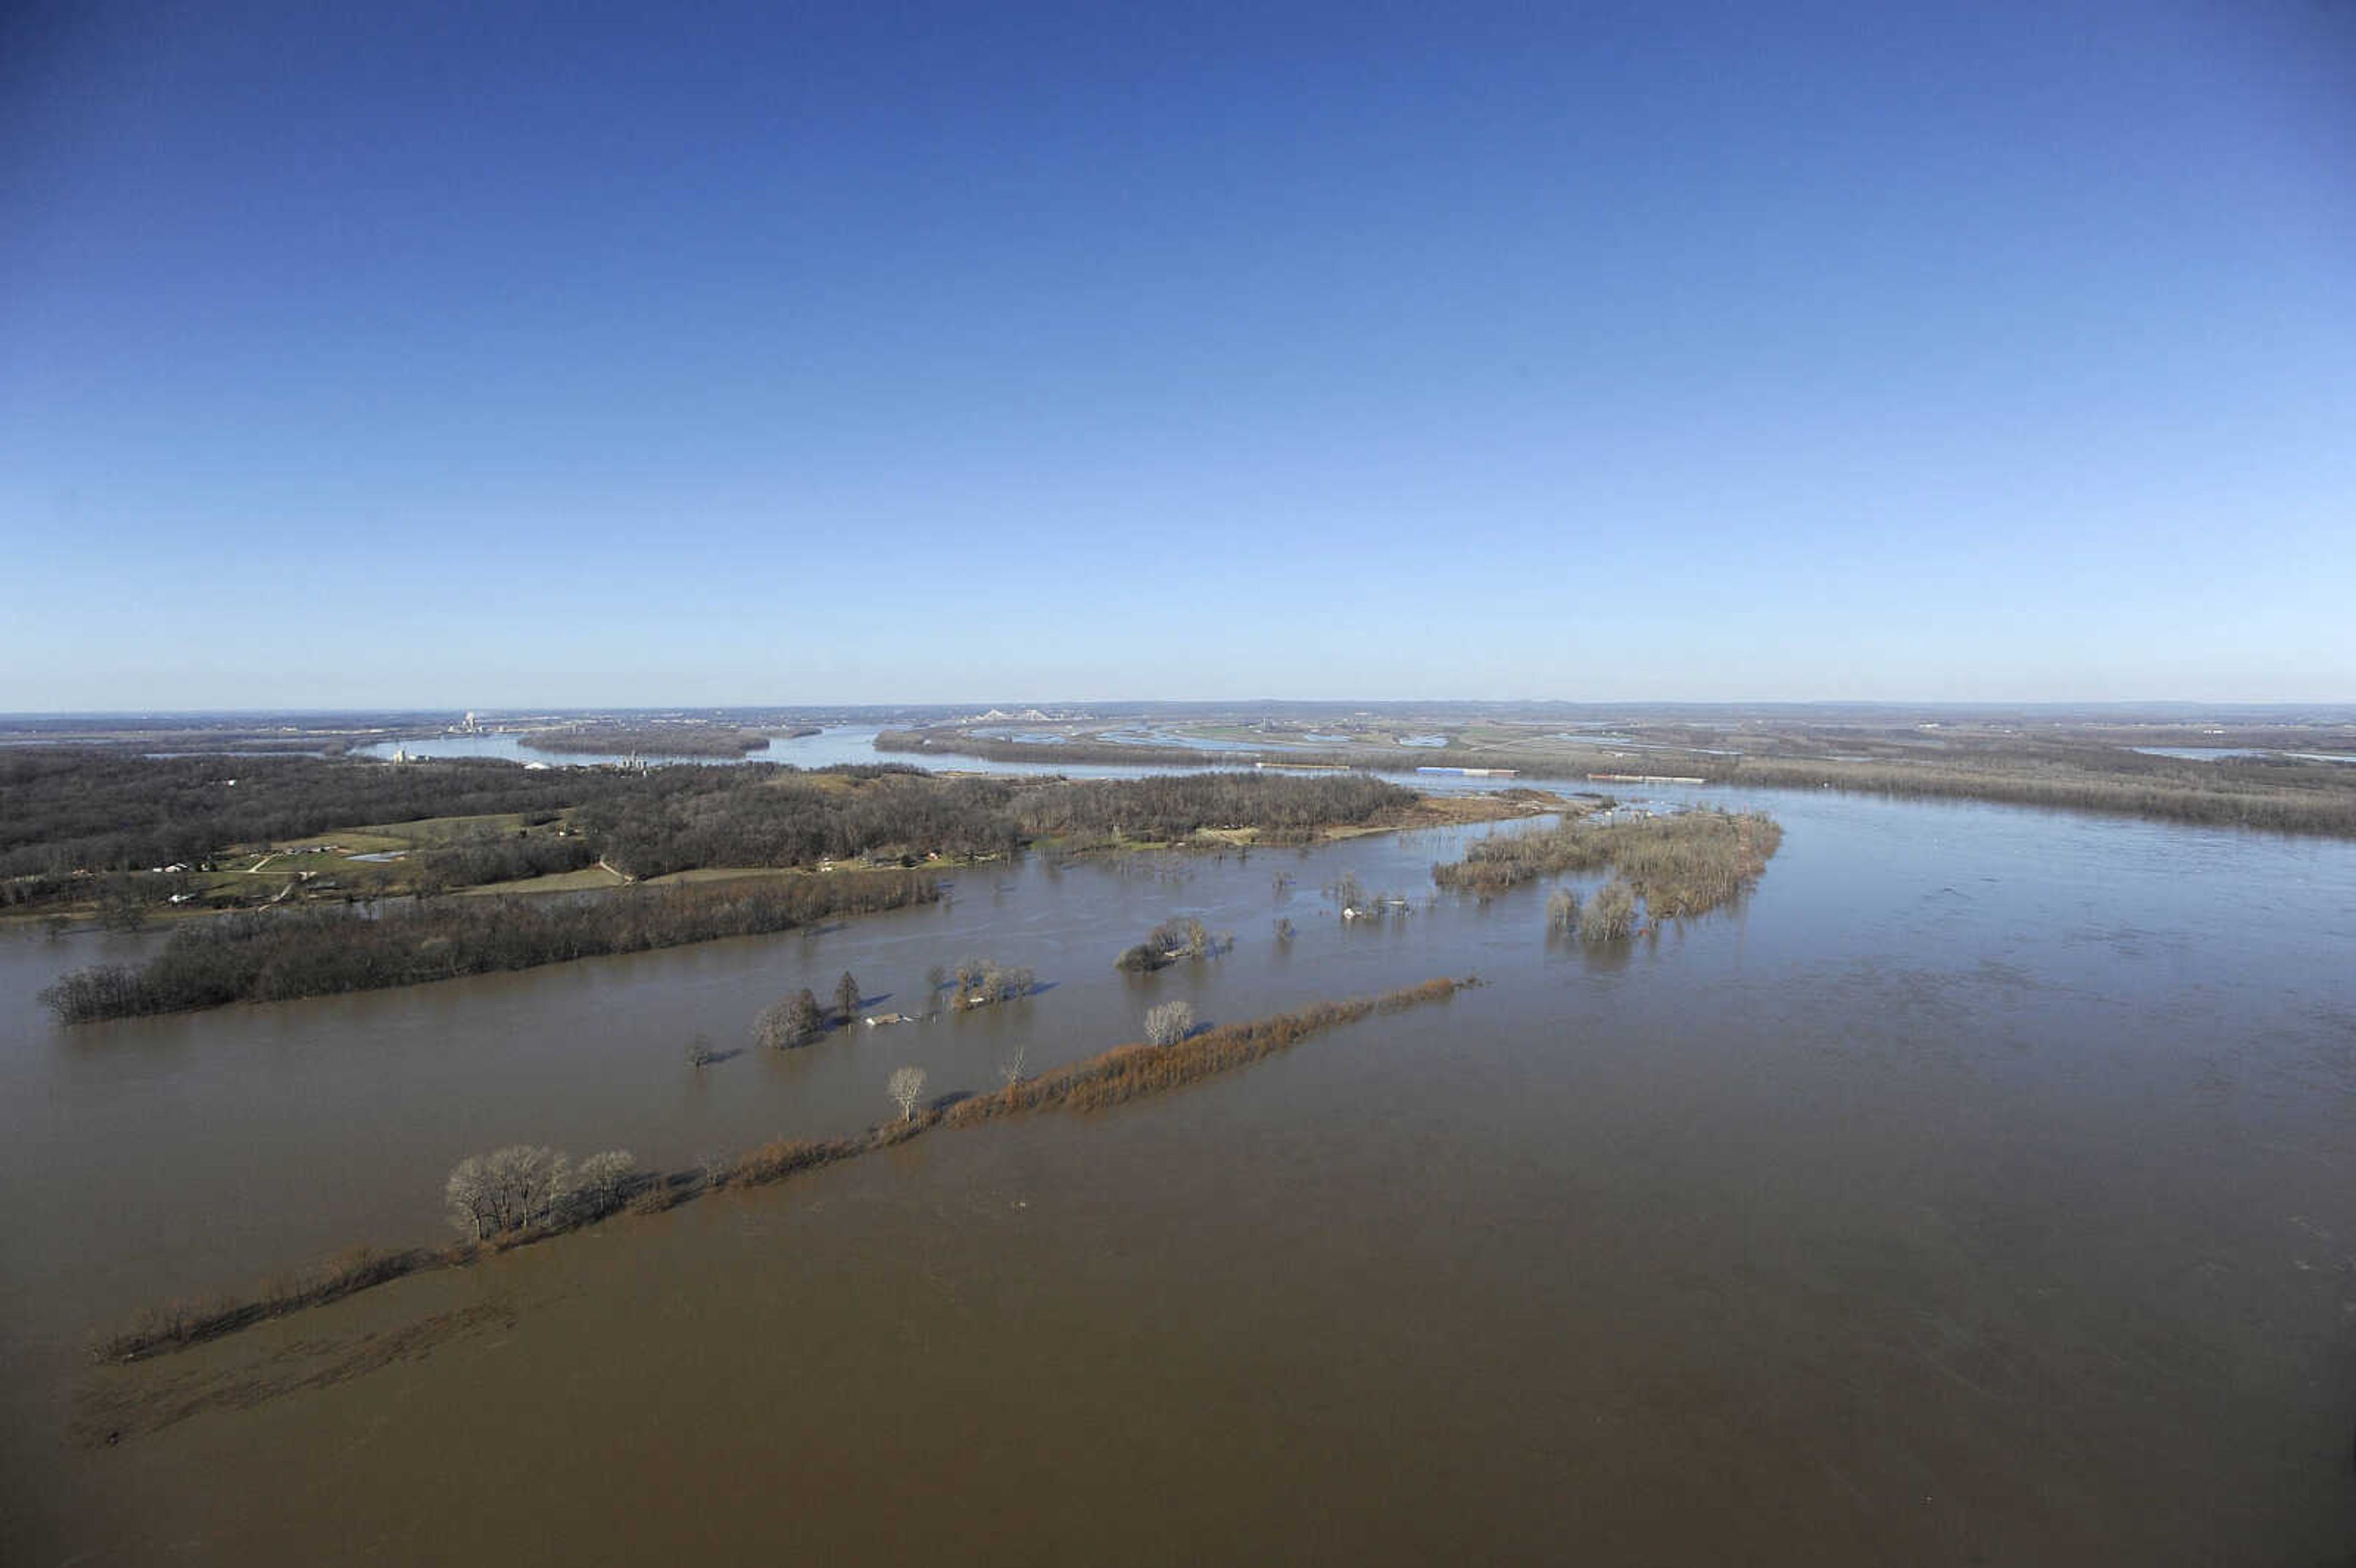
(1982,1190)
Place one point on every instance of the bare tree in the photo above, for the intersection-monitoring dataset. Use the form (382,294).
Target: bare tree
(468,1194)
(1169,1023)
(1562,912)
(907,1084)
(506,1189)
(1010,1066)
(595,1187)
(699,1051)
(1004,983)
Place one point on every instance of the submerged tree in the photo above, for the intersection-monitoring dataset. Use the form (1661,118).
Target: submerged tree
(797,1020)
(846,997)
(524,1186)
(981,981)
(1180,937)
(1169,1023)
(1610,913)
(1007,982)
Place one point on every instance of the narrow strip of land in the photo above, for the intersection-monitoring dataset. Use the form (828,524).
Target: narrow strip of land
(1115,1077)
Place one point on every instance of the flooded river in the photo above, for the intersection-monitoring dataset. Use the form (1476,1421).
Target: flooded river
(1982,1190)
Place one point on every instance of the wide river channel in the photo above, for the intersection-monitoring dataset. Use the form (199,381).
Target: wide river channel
(1982,1189)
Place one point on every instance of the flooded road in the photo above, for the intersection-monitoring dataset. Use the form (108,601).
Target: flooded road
(1983,1190)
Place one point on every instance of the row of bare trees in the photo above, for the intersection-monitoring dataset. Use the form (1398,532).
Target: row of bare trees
(526,1188)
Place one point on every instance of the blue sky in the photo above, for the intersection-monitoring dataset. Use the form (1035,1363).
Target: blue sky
(499,355)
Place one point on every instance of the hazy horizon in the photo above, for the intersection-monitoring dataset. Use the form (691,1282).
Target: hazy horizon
(2180,708)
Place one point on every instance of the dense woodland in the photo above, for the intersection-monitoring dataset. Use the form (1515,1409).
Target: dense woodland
(690,817)
(476,860)
(66,810)
(1282,808)
(310,950)
(77,825)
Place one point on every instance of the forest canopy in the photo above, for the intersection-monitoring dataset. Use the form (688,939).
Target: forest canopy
(68,816)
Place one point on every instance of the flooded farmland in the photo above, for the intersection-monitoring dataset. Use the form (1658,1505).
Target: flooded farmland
(1983,1188)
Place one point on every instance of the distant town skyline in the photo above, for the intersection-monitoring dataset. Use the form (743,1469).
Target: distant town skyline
(371,360)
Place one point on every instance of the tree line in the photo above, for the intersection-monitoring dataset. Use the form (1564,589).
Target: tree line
(312,950)
(2279,795)
(1283,807)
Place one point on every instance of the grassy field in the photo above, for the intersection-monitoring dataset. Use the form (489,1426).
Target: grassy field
(587,878)
(326,864)
(443,829)
(725,874)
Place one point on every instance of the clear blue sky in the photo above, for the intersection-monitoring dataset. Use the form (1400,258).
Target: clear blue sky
(487,356)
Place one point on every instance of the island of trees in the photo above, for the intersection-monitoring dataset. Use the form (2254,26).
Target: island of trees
(1179,937)
(1682,863)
